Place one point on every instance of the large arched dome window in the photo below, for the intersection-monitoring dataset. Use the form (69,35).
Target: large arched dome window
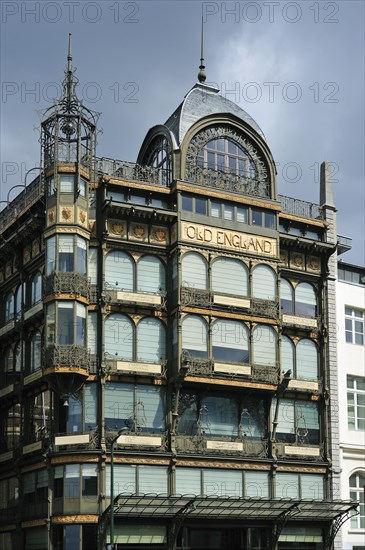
(159,156)
(221,157)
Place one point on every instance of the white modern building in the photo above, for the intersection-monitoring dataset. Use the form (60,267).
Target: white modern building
(351,381)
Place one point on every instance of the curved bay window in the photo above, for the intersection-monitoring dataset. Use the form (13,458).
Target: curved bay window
(70,320)
(66,254)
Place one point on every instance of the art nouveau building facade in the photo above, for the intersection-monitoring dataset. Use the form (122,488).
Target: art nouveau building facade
(182,299)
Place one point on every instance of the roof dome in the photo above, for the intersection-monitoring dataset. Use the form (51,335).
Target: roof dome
(203,100)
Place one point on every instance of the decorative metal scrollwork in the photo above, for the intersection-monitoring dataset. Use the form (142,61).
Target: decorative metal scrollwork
(265,308)
(72,356)
(265,373)
(191,296)
(67,283)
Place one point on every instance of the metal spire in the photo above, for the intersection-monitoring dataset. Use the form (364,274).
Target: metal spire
(70,81)
(202,75)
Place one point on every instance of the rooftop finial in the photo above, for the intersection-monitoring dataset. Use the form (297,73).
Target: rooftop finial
(69,56)
(202,75)
(70,81)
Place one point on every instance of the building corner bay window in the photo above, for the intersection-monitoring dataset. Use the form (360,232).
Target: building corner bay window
(144,342)
(66,254)
(66,323)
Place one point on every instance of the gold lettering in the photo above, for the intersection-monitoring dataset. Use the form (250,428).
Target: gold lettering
(251,242)
(190,231)
(259,244)
(199,236)
(227,239)
(208,235)
(267,247)
(220,237)
(236,240)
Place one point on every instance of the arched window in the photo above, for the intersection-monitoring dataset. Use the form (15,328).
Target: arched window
(36,288)
(229,276)
(264,345)
(19,301)
(306,360)
(194,271)
(119,271)
(298,421)
(263,282)
(226,155)
(230,342)
(357,483)
(287,355)
(151,340)
(305,300)
(9,307)
(286,297)
(35,351)
(161,158)
(150,275)
(194,336)
(9,360)
(119,336)
(19,357)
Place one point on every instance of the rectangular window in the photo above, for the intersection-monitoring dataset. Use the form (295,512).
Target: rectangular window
(215,209)
(65,323)
(50,255)
(269,220)
(242,215)
(66,253)
(89,480)
(228,212)
(354,326)
(256,217)
(356,403)
(72,480)
(201,206)
(187,204)
(67,183)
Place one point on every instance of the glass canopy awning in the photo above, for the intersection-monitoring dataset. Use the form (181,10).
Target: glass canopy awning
(160,506)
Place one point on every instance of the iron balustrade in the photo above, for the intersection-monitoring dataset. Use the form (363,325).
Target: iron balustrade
(63,355)
(303,209)
(67,283)
(227,181)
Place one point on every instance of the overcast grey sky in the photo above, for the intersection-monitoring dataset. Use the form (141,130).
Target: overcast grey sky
(296,67)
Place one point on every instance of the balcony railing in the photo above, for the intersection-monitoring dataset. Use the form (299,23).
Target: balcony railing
(21,203)
(300,208)
(265,308)
(130,171)
(226,181)
(62,355)
(67,283)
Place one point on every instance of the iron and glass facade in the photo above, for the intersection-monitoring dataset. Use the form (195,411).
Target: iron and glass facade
(181,300)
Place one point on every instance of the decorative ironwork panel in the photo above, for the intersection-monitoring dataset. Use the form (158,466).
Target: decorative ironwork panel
(196,365)
(196,297)
(26,198)
(265,373)
(75,356)
(301,208)
(67,283)
(130,171)
(227,182)
(265,308)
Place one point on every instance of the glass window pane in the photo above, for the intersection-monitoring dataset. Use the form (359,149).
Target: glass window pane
(151,340)
(81,255)
(269,220)
(194,336)
(305,300)
(264,345)
(230,342)
(256,217)
(153,479)
(286,297)
(229,277)
(307,360)
(119,406)
(188,481)
(50,255)
(287,355)
(119,271)
(65,325)
(228,212)
(80,325)
(67,183)
(201,206)
(65,253)
(222,483)
(150,408)
(187,203)
(242,215)
(194,271)
(215,209)
(219,416)
(287,485)
(119,336)
(264,283)
(150,275)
